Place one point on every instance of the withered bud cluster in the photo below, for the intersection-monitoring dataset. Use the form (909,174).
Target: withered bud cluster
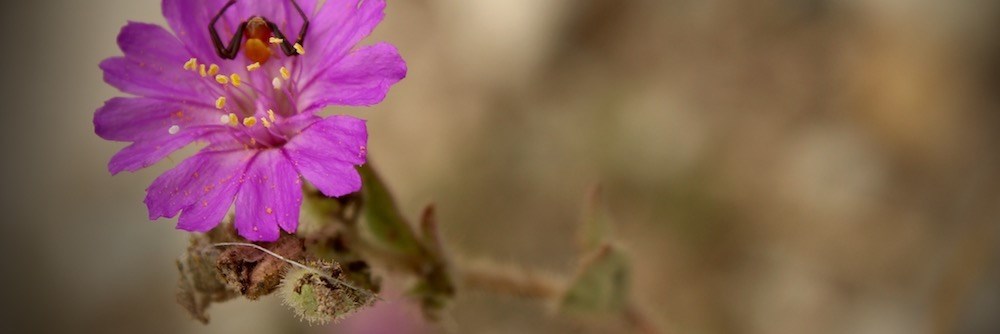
(254,273)
(200,283)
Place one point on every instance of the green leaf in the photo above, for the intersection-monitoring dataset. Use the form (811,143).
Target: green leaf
(383,222)
(601,283)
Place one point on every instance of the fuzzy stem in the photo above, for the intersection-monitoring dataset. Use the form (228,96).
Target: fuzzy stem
(514,280)
(509,279)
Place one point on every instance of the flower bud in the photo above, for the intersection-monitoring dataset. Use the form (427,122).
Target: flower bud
(321,296)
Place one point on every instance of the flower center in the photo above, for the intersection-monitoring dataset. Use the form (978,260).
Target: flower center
(253,107)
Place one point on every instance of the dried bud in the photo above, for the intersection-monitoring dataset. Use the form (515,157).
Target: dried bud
(200,283)
(322,295)
(254,273)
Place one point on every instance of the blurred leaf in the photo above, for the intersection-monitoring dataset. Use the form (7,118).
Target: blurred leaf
(436,286)
(601,283)
(596,228)
(383,222)
(433,292)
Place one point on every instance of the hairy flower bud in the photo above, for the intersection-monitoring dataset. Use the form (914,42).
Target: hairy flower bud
(324,295)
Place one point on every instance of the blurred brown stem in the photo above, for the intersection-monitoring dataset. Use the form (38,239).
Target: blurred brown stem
(516,281)
(507,279)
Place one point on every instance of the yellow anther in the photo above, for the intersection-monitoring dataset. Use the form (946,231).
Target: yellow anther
(285,73)
(300,49)
(267,124)
(270,115)
(275,40)
(233,120)
(221,102)
(202,71)
(276,83)
(213,69)
(253,66)
(221,79)
(191,64)
(235,78)
(249,122)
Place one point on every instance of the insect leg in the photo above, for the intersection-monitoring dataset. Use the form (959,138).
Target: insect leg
(305,24)
(286,46)
(230,51)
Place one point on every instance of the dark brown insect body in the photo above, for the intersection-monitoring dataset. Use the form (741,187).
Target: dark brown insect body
(259,33)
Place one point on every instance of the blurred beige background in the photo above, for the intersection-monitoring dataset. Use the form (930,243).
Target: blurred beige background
(775,166)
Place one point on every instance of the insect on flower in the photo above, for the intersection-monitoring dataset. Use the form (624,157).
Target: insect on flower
(259,32)
(258,124)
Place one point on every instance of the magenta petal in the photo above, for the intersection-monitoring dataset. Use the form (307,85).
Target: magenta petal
(153,66)
(189,20)
(202,185)
(270,198)
(326,153)
(145,153)
(363,78)
(131,119)
(336,29)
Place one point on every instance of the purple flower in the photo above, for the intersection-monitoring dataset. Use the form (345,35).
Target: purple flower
(257,118)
